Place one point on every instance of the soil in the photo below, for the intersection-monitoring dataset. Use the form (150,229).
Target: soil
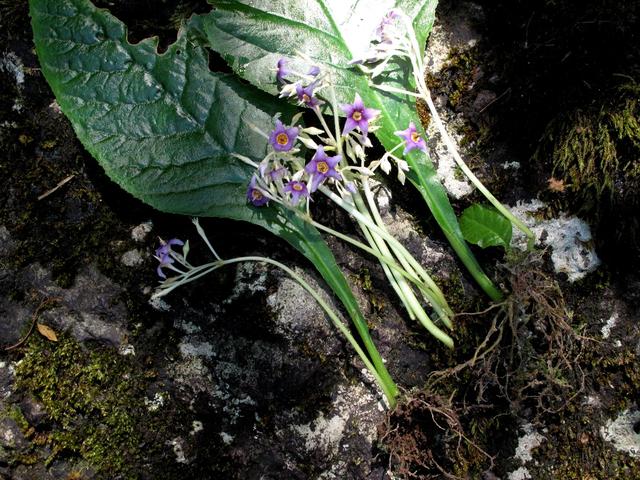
(240,376)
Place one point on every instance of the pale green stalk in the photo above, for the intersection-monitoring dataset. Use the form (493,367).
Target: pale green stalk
(387,388)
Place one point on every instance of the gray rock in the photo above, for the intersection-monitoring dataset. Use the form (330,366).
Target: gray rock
(15,321)
(90,309)
(33,411)
(139,233)
(7,244)
(7,376)
(11,436)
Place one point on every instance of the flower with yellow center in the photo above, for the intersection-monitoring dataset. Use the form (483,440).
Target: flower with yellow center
(412,139)
(283,138)
(297,190)
(358,116)
(322,167)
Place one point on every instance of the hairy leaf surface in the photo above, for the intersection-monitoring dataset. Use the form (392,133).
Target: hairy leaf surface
(163,125)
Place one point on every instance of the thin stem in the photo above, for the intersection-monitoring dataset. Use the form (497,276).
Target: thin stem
(426,96)
(389,274)
(336,121)
(204,237)
(316,110)
(388,387)
(397,247)
(390,89)
(408,296)
(439,303)
(386,261)
(402,255)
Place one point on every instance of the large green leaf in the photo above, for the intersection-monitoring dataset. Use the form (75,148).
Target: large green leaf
(253,34)
(163,125)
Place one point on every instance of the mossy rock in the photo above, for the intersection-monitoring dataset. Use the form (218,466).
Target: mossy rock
(594,154)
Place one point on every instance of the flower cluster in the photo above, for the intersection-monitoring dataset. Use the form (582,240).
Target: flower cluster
(390,40)
(304,88)
(339,157)
(282,175)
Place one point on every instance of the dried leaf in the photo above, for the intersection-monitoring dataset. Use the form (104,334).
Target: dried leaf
(47,332)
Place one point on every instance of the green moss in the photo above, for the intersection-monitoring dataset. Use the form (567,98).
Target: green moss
(364,280)
(575,451)
(94,398)
(594,151)
(17,416)
(457,76)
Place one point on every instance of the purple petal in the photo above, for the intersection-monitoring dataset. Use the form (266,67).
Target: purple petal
(370,113)
(175,241)
(334,174)
(310,167)
(364,126)
(348,109)
(333,161)
(319,155)
(358,104)
(316,180)
(349,125)
(160,272)
(292,132)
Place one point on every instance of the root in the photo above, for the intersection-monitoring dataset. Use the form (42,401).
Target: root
(531,352)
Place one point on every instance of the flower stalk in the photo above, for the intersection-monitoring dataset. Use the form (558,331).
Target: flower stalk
(397,38)
(343,178)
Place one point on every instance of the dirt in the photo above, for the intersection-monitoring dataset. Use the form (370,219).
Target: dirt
(240,376)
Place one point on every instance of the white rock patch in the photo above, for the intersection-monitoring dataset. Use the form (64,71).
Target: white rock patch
(159,304)
(132,258)
(154,404)
(194,348)
(520,474)
(250,278)
(178,449)
(354,404)
(608,326)
(140,232)
(568,237)
(196,426)
(620,432)
(12,64)
(324,433)
(447,167)
(529,441)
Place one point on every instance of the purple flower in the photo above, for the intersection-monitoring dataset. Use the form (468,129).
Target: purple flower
(163,254)
(305,95)
(314,71)
(387,21)
(255,194)
(321,167)
(412,138)
(283,138)
(276,173)
(297,190)
(358,116)
(283,71)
